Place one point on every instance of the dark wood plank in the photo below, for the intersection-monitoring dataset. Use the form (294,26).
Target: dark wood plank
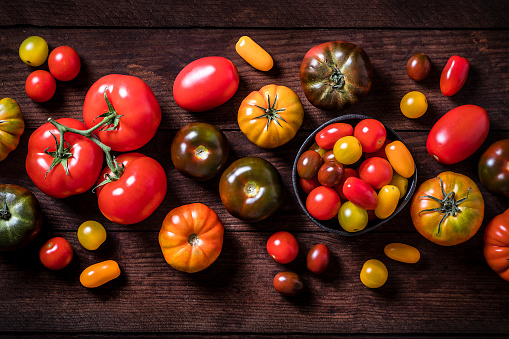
(257,13)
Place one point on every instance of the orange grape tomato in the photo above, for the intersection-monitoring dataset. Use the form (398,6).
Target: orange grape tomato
(99,274)
(400,158)
(402,252)
(388,199)
(254,54)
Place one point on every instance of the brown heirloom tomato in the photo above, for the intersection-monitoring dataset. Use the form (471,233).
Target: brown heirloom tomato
(199,151)
(191,237)
(448,209)
(418,66)
(335,74)
(251,189)
(11,126)
(270,117)
(496,244)
(494,168)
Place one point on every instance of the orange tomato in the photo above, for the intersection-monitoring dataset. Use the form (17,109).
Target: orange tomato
(254,54)
(496,244)
(402,252)
(191,237)
(99,274)
(400,158)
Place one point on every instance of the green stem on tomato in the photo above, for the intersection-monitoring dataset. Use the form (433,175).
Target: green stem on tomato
(5,214)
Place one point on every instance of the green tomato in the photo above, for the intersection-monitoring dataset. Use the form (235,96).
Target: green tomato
(91,235)
(374,273)
(352,218)
(33,51)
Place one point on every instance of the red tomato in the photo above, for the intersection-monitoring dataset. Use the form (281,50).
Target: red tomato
(64,63)
(328,136)
(205,84)
(380,153)
(288,283)
(371,134)
(330,173)
(283,247)
(40,86)
(496,244)
(83,158)
(458,134)
(138,192)
(323,203)
(360,193)
(376,171)
(454,75)
(56,253)
(348,172)
(309,184)
(318,259)
(135,109)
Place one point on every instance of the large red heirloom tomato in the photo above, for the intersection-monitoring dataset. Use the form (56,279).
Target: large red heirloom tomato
(448,209)
(335,74)
(191,237)
(496,244)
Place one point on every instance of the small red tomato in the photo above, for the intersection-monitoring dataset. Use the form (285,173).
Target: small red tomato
(309,184)
(56,253)
(418,66)
(329,156)
(283,247)
(288,283)
(40,86)
(454,75)
(348,172)
(360,193)
(309,163)
(330,173)
(371,133)
(380,153)
(328,136)
(64,63)
(323,203)
(376,171)
(318,258)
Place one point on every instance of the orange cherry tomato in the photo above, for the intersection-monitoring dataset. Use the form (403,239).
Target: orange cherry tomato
(254,54)
(99,274)
(388,199)
(400,158)
(402,252)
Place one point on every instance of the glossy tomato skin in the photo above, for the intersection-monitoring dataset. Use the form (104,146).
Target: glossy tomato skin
(12,126)
(138,192)
(376,171)
(84,166)
(380,153)
(288,283)
(328,136)
(205,84)
(453,229)
(323,203)
(330,173)
(283,247)
(347,173)
(347,150)
(360,193)
(64,63)
(388,198)
(374,273)
(335,74)
(131,98)
(40,86)
(371,134)
(99,274)
(493,168)
(309,164)
(318,259)
(413,105)
(191,237)
(458,134)
(400,158)
(199,151)
(33,51)
(402,252)
(352,218)
(309,184)
(496,244)
(91,235)
(418,66)
(251,189)
(454,75)
(56,253)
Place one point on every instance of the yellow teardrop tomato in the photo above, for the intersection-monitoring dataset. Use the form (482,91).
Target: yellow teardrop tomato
(401,183)
(347,150)
(388,199)
(400,158)
(271,116)
(11,126)
(254,54)
(402,252)
(374,273)
(99,274)
(91,235)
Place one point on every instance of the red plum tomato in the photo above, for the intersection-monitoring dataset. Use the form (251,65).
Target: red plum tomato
(360,193)
(40,86)
(283,247)
(309,163)
(454,75)
(56,253)
(376,171)
(371,133)
(418,66)
(323,203)
(318,259)
(288,283)
(328,136)
(347,173)
(64,63)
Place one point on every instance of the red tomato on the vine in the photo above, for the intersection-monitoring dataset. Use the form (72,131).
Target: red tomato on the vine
(64,63)
(56,253)
(283,247)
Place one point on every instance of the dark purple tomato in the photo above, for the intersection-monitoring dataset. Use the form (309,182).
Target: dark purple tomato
(308,165)
(330,173)
(418,66)
(494,168)
(318,258)
(288,283)
(329,156)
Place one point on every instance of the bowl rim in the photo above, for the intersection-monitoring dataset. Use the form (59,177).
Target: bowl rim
(298,189)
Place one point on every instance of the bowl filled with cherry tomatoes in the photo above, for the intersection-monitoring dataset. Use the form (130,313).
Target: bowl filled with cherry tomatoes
(353,174)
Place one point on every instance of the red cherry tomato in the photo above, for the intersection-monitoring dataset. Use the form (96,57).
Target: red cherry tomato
(40,86)
(454,75)
(348,172)
(318,259)
(309,184)
(380,153)
(371,133)
(283,247)
(330,173)
(323,203)
(64,63)
(309,163)
(328,136)
(376,171)
(56,253)
(360,193)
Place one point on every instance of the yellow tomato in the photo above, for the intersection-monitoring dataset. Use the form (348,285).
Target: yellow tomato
(401,183)
(33,51)
(91,235)
(271,116)
(254,54)
(347,150)
(374,273)
(402,252)
(400,158)
(317,148)
(388,199)
(352,218)
(99,274)
(413,105)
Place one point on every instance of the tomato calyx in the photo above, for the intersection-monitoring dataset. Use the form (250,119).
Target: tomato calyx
(337,78)
(193,239)
(271,113)
(448,205)
(61,155)
(5,214)
(111,117)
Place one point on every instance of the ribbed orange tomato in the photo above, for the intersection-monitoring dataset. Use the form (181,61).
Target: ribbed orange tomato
(496,244)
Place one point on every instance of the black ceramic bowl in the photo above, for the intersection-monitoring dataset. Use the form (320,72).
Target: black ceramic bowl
(332,225)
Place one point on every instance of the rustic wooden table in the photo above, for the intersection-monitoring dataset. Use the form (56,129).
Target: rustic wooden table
(450,291)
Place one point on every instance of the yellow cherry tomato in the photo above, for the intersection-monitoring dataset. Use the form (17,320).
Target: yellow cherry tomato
(388,199)
(33,51)
(352,218)
(400,158)
(254,54)
(374,273)
(401,183)
(91,235)
(99,274)
(402,252)
(317,148)
(347,150)
(413,105)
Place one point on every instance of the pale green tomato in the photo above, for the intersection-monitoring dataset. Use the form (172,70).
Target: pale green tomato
(352,218)
(374,273)
(33,51)
(91,235)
